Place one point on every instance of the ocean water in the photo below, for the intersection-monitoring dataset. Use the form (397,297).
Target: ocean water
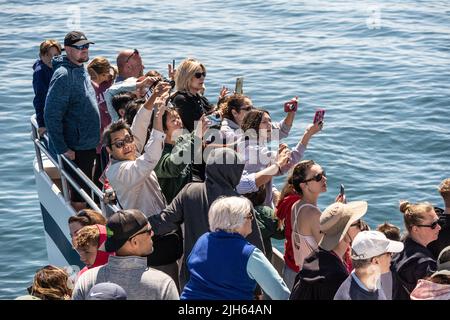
(381,70)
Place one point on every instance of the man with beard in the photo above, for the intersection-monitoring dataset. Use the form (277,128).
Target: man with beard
(71,112)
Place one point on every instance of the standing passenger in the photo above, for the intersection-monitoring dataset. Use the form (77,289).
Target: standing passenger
(443,239)
(42,74)
(71,111)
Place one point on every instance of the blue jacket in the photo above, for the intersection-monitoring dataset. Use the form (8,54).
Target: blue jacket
(42,75)
(218,267)
(71,113)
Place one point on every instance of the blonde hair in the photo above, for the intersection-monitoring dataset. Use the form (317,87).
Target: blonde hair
(185,71)
(98,66)
(86,237)
(228,213)
(47,44)
(414,214)
(51,283)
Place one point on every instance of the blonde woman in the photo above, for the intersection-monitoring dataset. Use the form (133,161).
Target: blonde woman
(190,85)
(416,261)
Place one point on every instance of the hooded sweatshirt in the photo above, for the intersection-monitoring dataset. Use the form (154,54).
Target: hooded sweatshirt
(42,74)
(192,204)
(71,113)
(427,290)
(102,254)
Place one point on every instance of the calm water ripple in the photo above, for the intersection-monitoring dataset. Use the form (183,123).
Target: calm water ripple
(381,70)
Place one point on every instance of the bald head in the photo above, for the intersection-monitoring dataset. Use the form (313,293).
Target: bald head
(129,63)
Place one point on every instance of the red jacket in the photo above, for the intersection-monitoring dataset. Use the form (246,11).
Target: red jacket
(283,211)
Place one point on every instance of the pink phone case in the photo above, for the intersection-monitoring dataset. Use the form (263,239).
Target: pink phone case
(320,113)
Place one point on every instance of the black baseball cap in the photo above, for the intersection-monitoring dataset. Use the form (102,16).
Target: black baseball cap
(121,226)
(76,38)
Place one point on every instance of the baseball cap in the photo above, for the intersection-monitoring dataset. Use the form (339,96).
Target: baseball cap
(107,291)
(368,244)
(443,263)
(76,38)
(121,226)
(336,219)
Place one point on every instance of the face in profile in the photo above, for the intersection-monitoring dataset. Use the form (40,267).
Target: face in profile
(88,254)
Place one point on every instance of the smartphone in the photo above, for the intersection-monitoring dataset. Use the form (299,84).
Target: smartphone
(291,105)
(318,117)
(342,192)
(239,85)
(173,64)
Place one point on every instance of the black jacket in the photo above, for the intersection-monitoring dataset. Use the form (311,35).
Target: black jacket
(321,276)
(190,107)
(443,239)
(413,263)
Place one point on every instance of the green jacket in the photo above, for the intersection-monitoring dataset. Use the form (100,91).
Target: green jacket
(172,175)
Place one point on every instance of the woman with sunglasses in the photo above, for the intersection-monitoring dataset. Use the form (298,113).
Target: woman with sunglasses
(189,99)
(303,220)
(415,261)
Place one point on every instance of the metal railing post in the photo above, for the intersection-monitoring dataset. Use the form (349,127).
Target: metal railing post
(63,179)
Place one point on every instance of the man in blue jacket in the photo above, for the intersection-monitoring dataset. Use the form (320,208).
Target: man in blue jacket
(71,112)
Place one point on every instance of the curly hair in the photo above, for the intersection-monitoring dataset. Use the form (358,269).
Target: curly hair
(86,237)
(51,283)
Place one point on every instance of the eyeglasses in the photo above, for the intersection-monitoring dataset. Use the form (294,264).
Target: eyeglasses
(149,231)
(83,46)
(135,52)
(432,226)
(318,177)
(121,143)
(198,75)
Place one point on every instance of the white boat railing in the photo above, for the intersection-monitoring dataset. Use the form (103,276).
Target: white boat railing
(40,148)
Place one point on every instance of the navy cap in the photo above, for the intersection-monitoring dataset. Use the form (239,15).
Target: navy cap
(107,291)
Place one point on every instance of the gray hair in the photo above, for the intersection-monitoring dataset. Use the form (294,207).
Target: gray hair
(228,213)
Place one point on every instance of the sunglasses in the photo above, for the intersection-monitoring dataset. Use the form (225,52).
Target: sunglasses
(358,224)
(247,108)
(432,226)
(83,46)
(198,75)
(149,231)
(135,52)
(318,177)
(121,143)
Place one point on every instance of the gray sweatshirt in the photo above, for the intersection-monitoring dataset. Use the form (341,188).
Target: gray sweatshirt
(132,274)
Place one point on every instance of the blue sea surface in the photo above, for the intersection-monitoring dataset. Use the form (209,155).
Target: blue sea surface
(381,69)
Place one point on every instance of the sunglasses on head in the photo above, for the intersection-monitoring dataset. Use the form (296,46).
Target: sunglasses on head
(135,52)
(81,47)
(318,177)
(121,143)
(149,231)
(432,226)
(198,75)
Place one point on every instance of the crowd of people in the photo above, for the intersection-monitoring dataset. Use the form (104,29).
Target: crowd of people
(198,207)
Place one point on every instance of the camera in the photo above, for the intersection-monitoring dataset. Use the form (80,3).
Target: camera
(170,81)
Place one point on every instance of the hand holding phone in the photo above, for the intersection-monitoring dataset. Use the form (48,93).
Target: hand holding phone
(291,105)
(239,85)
